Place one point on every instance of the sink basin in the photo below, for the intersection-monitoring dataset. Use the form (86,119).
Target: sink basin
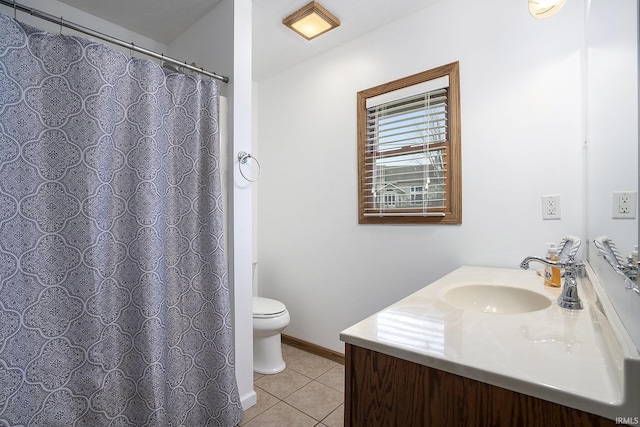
(496,299)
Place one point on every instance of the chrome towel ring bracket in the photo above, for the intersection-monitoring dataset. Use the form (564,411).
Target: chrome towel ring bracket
(243,158)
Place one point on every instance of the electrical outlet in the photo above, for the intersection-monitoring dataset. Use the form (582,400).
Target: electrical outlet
(624,204)
(551,206)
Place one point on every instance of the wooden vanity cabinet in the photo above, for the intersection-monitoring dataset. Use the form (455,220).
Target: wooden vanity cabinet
(382,390)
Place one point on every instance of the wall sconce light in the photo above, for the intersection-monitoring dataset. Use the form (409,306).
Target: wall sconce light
(545,8)
(311,21)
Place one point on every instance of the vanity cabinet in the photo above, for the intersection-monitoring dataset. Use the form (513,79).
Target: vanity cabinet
(382,390)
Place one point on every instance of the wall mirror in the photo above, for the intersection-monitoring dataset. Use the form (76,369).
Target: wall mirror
(611,118)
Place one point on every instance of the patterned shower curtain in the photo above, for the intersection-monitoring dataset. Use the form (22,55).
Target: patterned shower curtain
(114,304)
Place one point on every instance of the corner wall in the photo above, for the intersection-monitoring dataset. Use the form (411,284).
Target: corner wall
(522,137)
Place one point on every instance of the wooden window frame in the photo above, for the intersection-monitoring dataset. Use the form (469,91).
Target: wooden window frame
(453,205)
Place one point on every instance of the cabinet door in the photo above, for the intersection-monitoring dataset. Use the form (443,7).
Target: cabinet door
(382,390)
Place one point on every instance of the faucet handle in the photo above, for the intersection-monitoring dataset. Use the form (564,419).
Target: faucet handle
(568,247)
(574,268)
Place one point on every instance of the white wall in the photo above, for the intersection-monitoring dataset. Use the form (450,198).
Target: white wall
(77,16)
(522,137)
(242,202)
(209,42)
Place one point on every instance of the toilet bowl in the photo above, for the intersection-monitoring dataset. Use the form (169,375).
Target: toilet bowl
(270,317)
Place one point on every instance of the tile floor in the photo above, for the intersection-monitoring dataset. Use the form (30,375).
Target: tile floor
(309,392)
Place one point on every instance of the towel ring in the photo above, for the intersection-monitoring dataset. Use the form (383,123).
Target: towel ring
(243,158)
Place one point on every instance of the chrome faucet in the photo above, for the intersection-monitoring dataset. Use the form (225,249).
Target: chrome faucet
(569,296)
(630,269)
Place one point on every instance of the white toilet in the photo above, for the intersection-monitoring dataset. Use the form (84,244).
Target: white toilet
(270,317)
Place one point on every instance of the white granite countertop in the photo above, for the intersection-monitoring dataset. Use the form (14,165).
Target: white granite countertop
(582,358)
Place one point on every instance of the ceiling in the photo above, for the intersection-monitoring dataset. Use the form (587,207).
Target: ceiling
(160,20)
(275,47)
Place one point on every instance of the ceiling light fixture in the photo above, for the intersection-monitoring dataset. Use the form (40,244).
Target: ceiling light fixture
(545,8)
(311,21)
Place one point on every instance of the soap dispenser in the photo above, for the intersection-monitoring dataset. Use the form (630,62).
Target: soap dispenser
(552,273)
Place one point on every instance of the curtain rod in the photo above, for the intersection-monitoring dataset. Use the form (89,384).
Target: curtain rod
(76,27)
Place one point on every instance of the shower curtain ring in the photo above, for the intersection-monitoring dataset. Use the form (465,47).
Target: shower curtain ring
(61,24)
(15,12)
(243,158)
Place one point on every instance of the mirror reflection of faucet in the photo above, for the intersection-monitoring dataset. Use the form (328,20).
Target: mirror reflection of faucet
(626,267)
(569,297)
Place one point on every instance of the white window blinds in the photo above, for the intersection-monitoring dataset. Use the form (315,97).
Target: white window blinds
(406,151)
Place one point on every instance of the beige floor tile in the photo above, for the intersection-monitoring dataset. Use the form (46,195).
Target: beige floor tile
(289,353)
(264,402)
(316,400)
(334,378)
(336,418)
(282,415)
(283,384)
(306,401)
(311,365)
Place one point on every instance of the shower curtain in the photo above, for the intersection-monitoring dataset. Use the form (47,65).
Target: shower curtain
(114,304)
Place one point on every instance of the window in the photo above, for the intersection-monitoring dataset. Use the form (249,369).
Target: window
(417,193)
(409,150)
(389,199)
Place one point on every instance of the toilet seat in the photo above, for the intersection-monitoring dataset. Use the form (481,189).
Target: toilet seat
(265,308)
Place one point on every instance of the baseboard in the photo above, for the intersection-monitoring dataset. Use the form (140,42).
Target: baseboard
(248,400)
(313,348)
